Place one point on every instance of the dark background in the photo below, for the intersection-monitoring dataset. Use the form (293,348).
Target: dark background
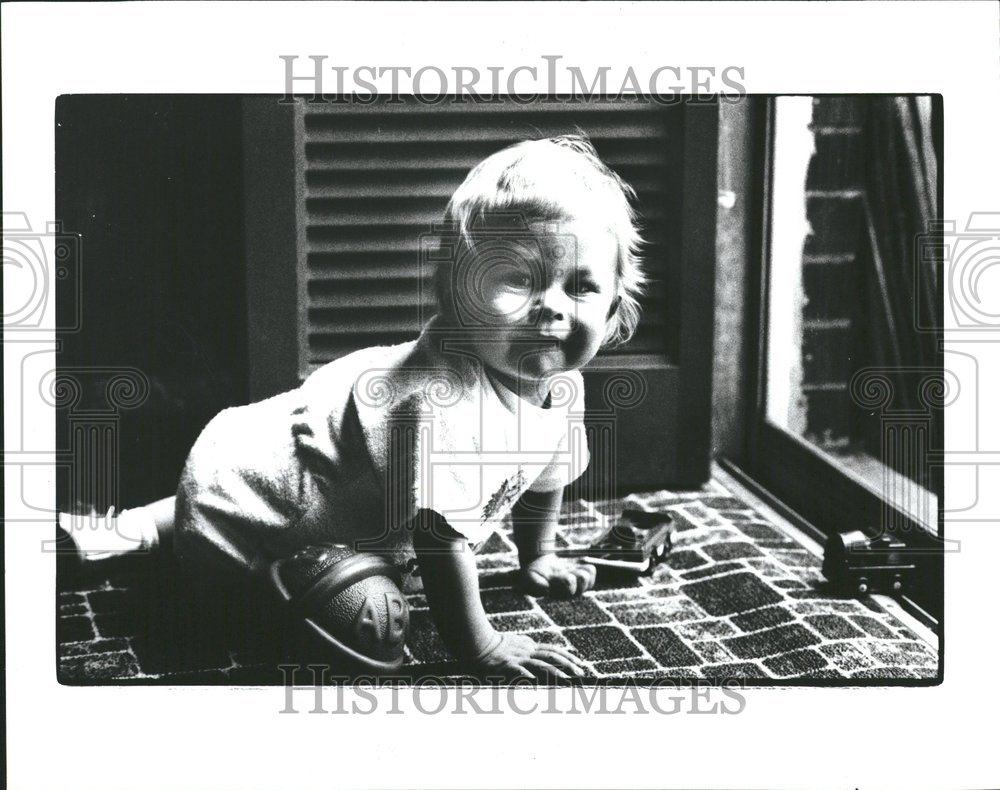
(162,266)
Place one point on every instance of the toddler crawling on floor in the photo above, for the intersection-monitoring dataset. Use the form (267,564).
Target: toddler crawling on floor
(426,447)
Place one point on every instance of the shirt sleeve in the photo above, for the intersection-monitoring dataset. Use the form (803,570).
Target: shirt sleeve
(570,460)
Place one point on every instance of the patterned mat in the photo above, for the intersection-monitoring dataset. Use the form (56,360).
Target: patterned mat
(737,599)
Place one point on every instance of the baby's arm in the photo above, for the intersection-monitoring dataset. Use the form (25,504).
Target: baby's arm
(536,520)
(451,584)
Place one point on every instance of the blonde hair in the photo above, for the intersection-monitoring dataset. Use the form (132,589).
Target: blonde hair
(546,180)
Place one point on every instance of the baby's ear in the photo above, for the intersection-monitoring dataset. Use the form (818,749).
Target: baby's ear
(615,304)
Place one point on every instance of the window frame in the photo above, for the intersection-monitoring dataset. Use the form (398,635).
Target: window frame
(819,496)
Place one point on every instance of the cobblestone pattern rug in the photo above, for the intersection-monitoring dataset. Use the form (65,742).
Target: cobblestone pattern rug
(737,599)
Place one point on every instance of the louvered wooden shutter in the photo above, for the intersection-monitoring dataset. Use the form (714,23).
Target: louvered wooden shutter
(374,178)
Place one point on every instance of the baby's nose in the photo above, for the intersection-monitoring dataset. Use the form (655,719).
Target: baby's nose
(555,305)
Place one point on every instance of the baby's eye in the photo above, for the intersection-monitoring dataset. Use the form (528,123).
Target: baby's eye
(517,279)
(584,287)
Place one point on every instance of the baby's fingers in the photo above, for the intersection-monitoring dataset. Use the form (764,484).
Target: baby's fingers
(535,583)
(563,584)
(586,576)
(562,657)
(544,669)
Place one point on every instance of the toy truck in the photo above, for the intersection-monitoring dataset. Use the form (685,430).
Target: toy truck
(856,564)
(636,543)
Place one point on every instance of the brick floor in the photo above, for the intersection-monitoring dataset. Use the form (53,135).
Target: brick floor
(738,599)
(762,618)
(736,592)
(774,640)
(602,643)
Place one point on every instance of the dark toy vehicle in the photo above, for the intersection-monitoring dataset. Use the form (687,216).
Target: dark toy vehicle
(636,543)
(856,564)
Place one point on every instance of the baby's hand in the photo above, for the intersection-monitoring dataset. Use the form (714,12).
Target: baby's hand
(520,656)
(557,577)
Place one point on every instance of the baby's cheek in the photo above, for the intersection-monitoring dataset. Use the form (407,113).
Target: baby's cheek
(584,342)
(577,348)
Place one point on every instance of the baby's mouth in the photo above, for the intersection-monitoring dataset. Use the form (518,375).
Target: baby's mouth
(535,338)
(552,333)
(547,342)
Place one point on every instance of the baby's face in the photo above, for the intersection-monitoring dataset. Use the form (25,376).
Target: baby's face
(538,302)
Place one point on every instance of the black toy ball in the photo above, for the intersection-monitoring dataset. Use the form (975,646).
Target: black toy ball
(349,601)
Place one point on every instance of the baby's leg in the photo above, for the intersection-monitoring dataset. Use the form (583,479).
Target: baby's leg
(144,528)
(162,515)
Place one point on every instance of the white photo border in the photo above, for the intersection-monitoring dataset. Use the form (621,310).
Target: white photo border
(223,737)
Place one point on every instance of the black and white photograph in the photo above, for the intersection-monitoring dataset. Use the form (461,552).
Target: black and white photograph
(607,383)
(501,388)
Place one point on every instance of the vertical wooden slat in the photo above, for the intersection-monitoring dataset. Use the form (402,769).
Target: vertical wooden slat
(698,288)
(302,244)
(270,223)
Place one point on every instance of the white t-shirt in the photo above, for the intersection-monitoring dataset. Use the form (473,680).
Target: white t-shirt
(366,442)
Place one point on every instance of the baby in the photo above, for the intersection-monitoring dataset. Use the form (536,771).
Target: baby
(424,448)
